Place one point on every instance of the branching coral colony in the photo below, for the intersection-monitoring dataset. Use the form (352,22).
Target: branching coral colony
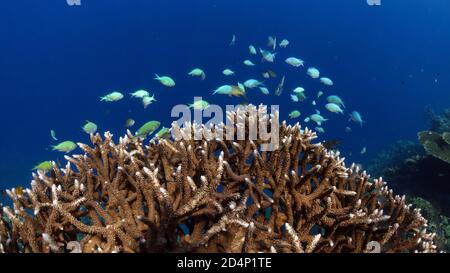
(209,196)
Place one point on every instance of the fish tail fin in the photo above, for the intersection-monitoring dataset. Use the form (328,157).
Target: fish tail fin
(157,77)
(102,98)
(203,76)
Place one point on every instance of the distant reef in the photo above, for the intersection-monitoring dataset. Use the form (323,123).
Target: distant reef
(421,169)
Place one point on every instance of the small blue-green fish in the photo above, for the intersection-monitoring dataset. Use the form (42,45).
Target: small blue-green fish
(90,127)
(295,62)
(313,72)
(147,129)
(147,100)
(320,130)
(140,94)
(336,100)
(248,63)
(326,81)
(111,97)
(197,72)
(284,43)
(267,55)
(252,83)
(44,166)
(294,114)
(163,133)
(334,108)
(223,90)
(264,90)
(53,135)
(355,116)
(317,118)
(199,105)
(299,90)
(129,123)
(295,97)
(228,72)
(165,80)
(65,146)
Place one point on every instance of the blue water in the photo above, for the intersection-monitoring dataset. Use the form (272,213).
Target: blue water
(387,62)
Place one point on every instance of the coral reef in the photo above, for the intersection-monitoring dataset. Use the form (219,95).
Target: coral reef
(436,144)
(438,223)
(394,157)
(416,175)
(191,195)
(421,170)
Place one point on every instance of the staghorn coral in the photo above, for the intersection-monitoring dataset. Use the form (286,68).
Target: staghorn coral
(210,196)
(438,223)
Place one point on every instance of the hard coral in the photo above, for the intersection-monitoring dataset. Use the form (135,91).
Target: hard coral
(210,196)
(438,145)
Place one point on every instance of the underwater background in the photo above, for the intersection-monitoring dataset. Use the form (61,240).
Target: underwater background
(388,62)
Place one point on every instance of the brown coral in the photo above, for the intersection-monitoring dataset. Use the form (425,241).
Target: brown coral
(210,196)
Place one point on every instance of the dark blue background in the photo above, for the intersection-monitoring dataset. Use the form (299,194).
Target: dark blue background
(57,60)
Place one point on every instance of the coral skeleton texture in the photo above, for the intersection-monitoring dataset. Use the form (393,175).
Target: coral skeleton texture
(209,196)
